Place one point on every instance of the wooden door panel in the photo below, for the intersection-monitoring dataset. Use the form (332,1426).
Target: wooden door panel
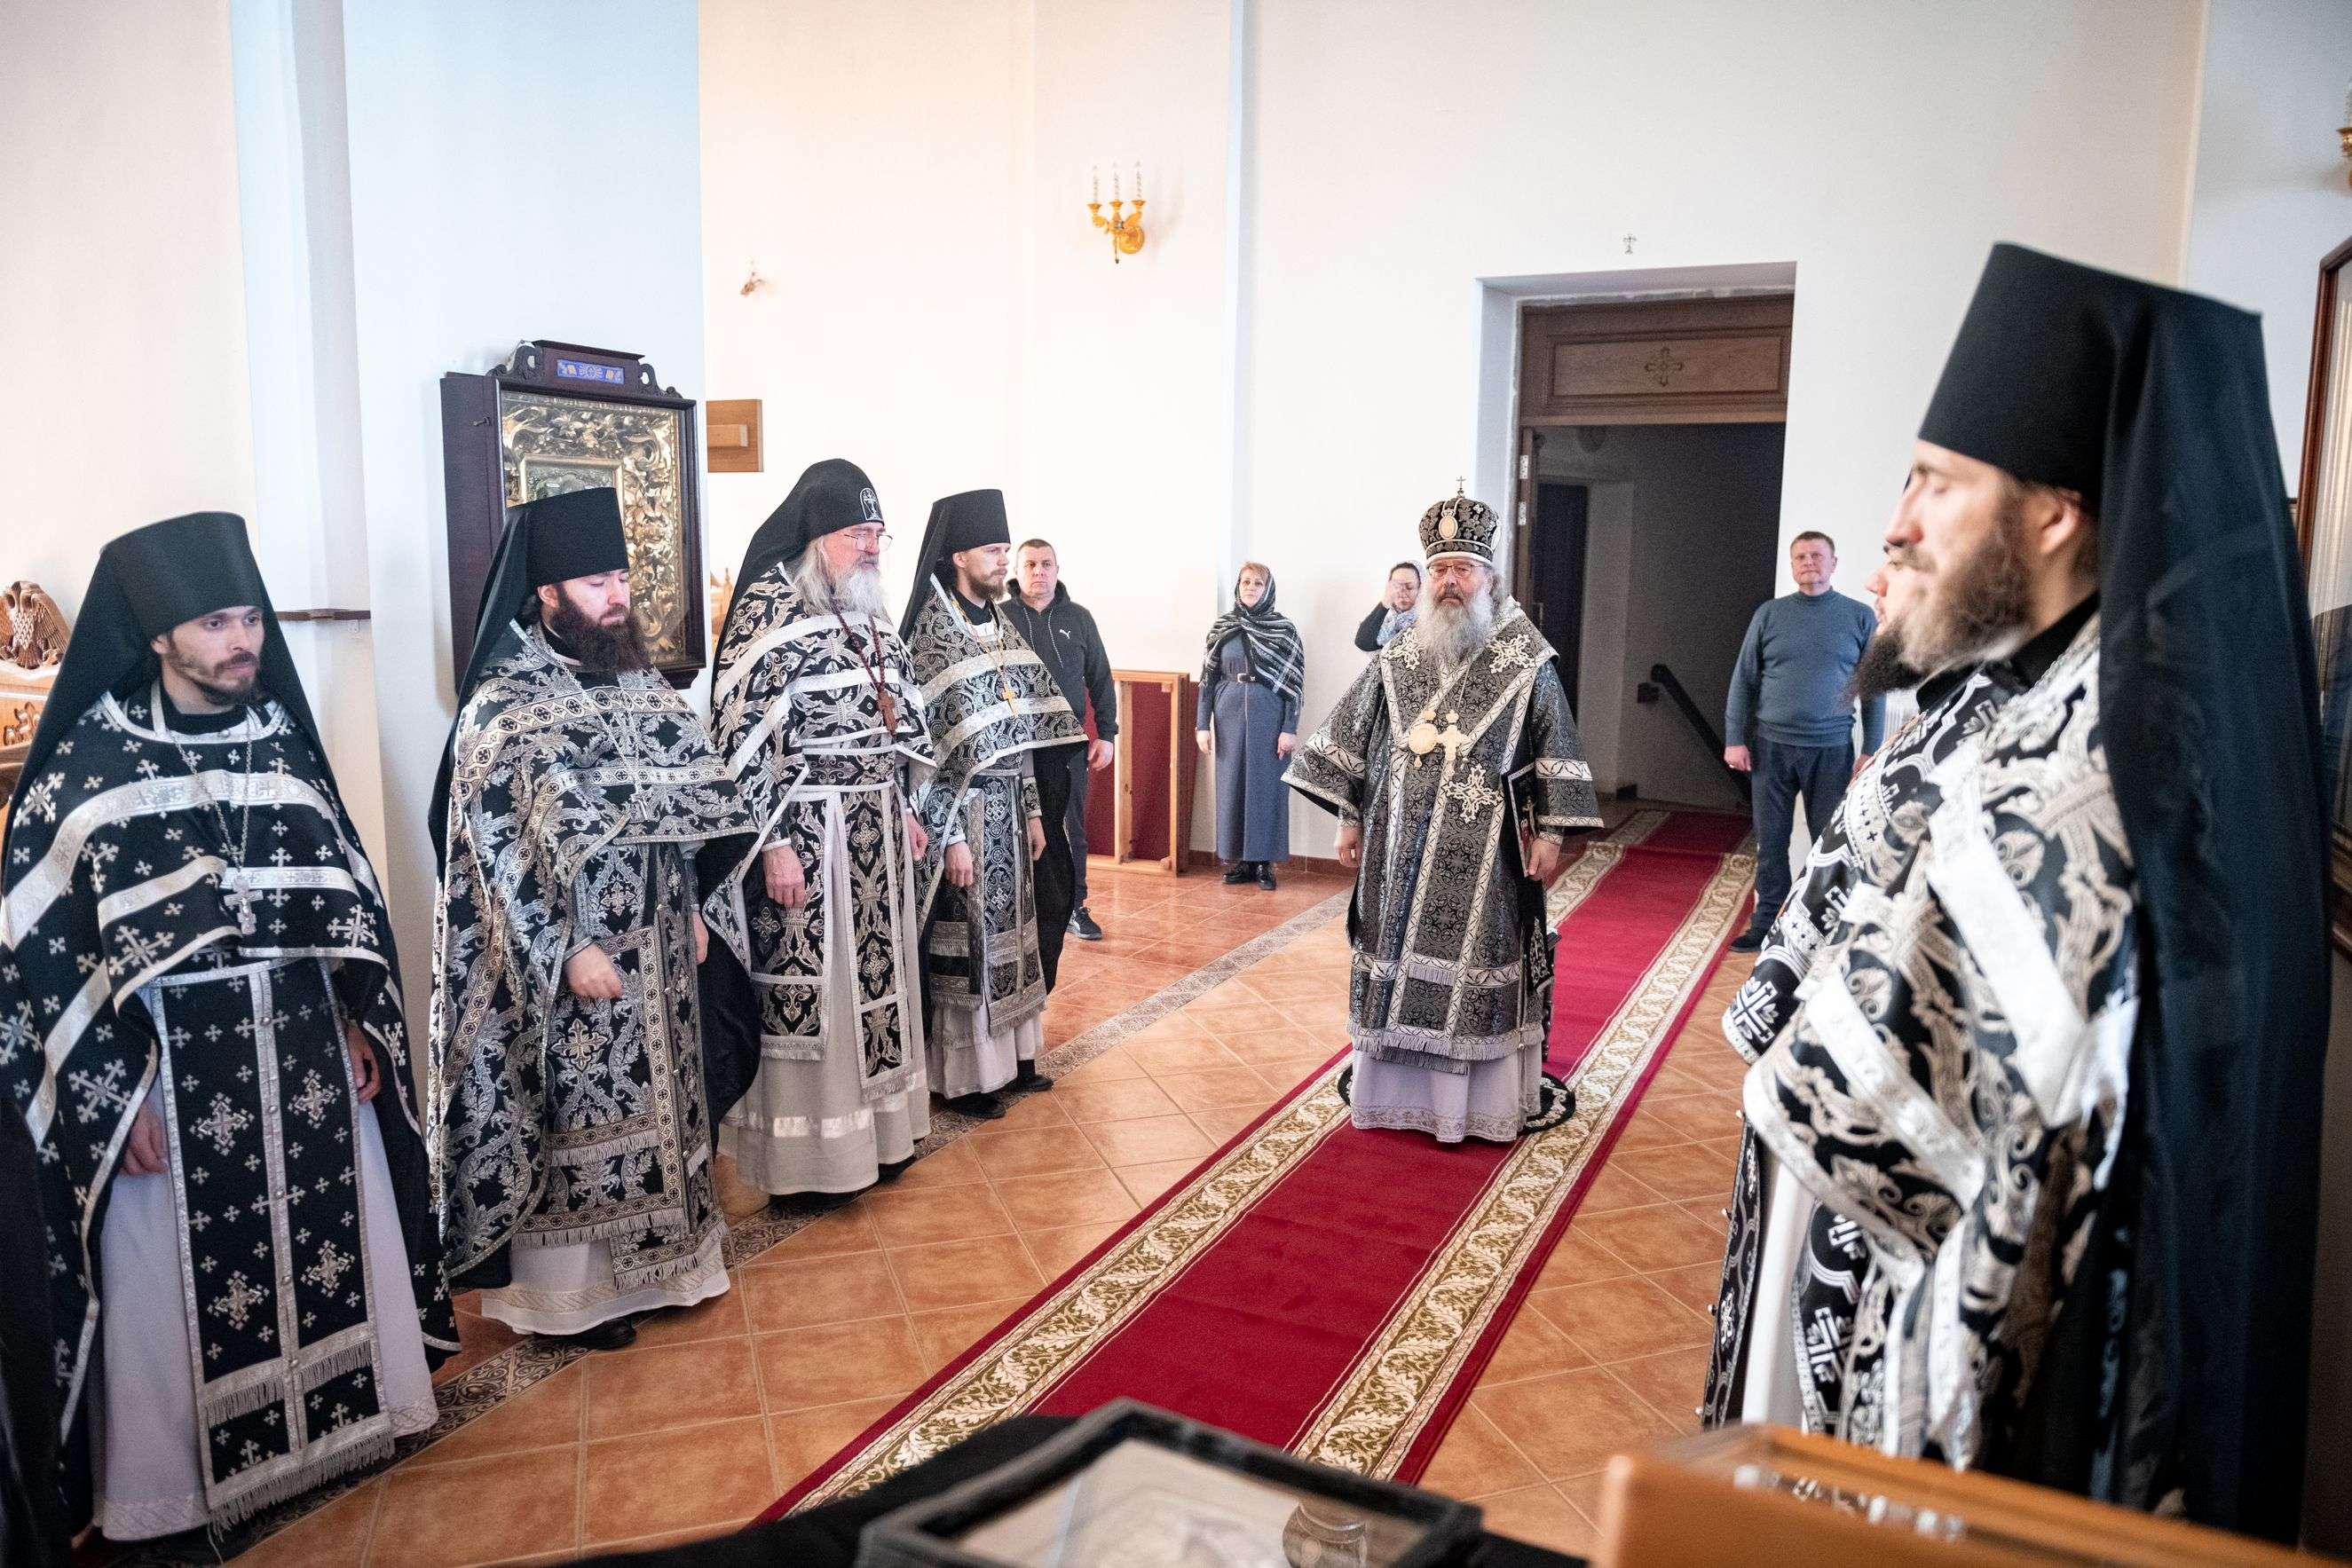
(1650,369)
(1681,361)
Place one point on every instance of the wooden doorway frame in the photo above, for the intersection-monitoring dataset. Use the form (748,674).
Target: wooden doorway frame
(1693,360)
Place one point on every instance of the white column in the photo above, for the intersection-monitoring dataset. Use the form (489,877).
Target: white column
(294,203)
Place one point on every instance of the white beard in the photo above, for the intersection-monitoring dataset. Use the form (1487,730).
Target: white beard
(1456,632)
(858,593)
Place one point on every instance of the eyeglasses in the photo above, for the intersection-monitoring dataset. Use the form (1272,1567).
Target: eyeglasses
(869,537)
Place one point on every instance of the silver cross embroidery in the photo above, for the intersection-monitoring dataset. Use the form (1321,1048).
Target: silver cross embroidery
(1476,795)
(327,1272)
(239,1300)
(222,1124)
(1514,653)
(314,1100)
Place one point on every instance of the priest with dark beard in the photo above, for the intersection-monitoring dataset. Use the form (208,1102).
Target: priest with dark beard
(822,727)
(990,704)
(570,1091)
(2030,1177)
(201,1027)
(1455,772)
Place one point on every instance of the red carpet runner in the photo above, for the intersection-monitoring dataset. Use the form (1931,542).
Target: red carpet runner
(1338,1292)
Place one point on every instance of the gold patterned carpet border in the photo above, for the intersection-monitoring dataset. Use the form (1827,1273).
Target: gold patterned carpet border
(1399,1382)
(1373,1420)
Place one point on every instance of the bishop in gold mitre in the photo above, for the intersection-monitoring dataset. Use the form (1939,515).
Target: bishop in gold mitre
(1455,772)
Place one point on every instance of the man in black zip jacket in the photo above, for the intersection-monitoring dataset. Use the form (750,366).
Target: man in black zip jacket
(1062,633)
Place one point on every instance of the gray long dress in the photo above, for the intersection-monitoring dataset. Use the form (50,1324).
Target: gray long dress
(1253,807)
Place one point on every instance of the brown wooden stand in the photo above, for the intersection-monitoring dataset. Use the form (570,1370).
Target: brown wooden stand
(1141,806)
(1767,1496)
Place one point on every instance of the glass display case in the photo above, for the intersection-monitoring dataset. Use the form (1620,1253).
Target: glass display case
(1132,1487)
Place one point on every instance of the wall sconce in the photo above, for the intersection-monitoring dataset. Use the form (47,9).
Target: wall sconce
(1125,231)
(2344,130)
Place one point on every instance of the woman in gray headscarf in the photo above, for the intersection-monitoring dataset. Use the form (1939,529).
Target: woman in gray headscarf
(1248,720)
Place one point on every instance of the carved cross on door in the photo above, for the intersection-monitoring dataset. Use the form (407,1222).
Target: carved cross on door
(1662,369)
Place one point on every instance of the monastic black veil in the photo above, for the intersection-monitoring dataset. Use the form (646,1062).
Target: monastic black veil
(552,540)
(2153,405)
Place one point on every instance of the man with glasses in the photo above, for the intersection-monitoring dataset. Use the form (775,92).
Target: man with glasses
(823,731)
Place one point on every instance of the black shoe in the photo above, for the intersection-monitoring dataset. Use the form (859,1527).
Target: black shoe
(891,1170)
(1748,942)
(812,1202)
(613,1333)
(987,1107)
(1265,875)
(1239,872)
(1083,927)
(196,1546)
(1028,1081)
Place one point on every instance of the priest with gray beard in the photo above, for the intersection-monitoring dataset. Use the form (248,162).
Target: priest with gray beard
(1454,769)
(824,732)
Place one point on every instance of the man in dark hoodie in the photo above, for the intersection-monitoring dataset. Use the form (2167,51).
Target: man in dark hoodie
(1062,633)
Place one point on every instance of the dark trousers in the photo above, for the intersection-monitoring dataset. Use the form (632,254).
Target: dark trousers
(1051,870)
(1080,776)
(1819,773)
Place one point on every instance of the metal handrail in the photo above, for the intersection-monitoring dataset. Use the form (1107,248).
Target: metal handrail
(1664,678)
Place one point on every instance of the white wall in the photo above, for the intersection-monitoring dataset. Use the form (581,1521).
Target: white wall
(2271,196)
(858,156)
(1601,698)
(524,170)
(1117,451)
(122,287)
(1405,150)
(307,520)
(911,180)
(1397,153)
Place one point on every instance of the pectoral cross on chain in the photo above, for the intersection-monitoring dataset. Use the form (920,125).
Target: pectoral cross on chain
(237,899)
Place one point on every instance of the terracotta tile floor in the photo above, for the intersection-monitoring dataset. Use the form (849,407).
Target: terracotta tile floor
(749,1393)
(1610,1350)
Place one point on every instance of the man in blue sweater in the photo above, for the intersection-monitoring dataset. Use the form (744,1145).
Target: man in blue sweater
(1790,721)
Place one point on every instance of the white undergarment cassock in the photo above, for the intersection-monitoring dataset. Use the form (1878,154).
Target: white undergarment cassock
(144,1439)
(1492,1101)
(570,1289)
(967,1056)
(1770,1389)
